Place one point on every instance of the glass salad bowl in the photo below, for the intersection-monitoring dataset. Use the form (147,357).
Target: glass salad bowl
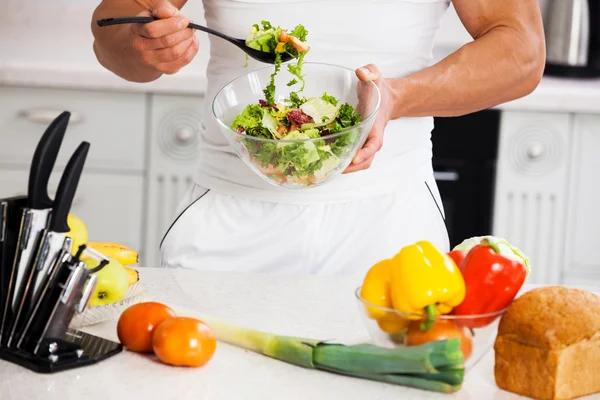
(304,153)
(393,328)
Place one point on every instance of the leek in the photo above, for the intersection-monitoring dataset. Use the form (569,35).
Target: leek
(436,366)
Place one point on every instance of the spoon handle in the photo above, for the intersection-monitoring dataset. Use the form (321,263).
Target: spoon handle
(144,20)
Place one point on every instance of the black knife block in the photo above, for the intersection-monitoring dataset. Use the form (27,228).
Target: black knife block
(63,348)
(78,350)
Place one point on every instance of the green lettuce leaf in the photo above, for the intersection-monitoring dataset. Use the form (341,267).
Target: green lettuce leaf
(251,117)
(300,32)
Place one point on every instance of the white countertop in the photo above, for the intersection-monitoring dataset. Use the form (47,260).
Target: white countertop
(316,307)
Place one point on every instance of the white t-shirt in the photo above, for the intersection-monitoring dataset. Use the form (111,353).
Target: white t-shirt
(396,35)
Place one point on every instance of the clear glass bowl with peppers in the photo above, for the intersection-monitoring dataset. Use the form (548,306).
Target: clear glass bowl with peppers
(422,295)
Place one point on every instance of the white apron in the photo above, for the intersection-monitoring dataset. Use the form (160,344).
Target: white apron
(237,221)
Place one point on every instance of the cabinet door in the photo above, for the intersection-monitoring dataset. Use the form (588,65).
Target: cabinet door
(110,205)
(114,124)
(583,228)
(174,129)
(531,188)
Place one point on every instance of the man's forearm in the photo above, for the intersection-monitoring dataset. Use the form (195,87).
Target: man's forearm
(113,47)
(491,70)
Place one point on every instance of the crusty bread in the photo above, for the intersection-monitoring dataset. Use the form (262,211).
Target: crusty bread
(548,344)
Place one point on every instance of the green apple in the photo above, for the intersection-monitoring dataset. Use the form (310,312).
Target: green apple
(112,284)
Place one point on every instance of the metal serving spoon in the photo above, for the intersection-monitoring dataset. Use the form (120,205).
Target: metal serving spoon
(258,55)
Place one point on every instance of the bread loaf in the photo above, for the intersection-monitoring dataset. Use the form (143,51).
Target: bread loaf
(548,344)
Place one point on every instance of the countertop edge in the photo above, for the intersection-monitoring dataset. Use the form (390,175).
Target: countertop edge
(552,94)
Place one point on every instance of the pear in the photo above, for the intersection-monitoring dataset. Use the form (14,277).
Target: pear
(112,284)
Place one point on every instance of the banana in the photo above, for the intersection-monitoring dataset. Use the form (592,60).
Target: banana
(78,232)
(134,276)
(119,252)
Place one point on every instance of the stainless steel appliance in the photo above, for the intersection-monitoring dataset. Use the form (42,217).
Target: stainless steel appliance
(572,30)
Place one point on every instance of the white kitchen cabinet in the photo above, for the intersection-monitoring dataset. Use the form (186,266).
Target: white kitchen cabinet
(113,123)
(110,204)
(173,153)
(583,228)
(110,198)
(532,186)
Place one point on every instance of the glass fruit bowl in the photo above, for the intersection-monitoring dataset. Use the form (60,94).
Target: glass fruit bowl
(392,328)
(298,163)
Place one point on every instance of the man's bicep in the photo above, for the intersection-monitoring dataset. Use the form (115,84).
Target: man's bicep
(480,16)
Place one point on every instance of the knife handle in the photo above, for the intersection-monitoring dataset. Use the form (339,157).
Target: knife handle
(67,188)
(43,161)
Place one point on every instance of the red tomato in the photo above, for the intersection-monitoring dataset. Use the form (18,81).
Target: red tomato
(137,323)
(185,342)
(441,330)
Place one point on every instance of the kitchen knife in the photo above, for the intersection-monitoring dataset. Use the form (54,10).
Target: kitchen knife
(63,257)
(46,304)
(67,294)
(10,220)
(74,301)
(53,238)
(35,215)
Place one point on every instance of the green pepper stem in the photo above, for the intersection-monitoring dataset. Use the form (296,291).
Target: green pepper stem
(431,312)
(488,243)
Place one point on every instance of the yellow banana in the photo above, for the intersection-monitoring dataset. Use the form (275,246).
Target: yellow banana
(119,252)
(78,232)
(134,276)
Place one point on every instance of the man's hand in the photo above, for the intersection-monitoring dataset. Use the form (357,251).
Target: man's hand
(166,44)
(364,157)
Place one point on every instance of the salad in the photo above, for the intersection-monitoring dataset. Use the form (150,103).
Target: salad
(269,39)
(314,120)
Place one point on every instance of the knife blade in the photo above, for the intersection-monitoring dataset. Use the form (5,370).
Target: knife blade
(53,238)
(66,294)
(35,215)
(44,308)
(56,236)
(75,299)
(63,257)
(10,219)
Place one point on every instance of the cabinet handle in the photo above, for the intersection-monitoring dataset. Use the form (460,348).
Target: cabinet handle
(47,115)
(184,135)
(535,151)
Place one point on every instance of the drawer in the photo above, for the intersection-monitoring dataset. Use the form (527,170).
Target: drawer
(113,123)
(109,204)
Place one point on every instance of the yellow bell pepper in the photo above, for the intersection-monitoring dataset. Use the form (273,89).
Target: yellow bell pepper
(279,48)
(425,282)
(376,289)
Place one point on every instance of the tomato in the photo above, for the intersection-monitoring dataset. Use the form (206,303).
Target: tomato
(441,330)
(185,342)
(137,323)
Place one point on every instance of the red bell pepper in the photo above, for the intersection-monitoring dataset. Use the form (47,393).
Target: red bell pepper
(492,281)
(458,257)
